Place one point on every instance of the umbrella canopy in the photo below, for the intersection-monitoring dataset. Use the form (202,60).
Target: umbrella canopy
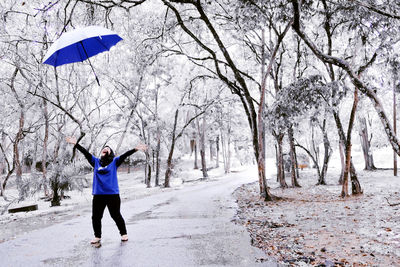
(80,44)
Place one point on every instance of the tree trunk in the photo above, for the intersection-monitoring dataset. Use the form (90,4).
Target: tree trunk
(4,159)
(203,163)
(4,183)
(153,159)
(345,185)
(366,145)
(394,121)
(147,173)
(226,152)
(327,154)
(345,190)
(203,148)
(171,152)
(158,147)
(297,164)
(264,189)
(355,184)
(342,161)
(314,153)
(293,164)
(281,169)
(342,142)
(18,167)
(277,160)
(44,152)
(217,152)
(55,185)
(211,149)
(315,149)
(34,154)
(192,144)
(223,149)
(18,138)
(10,168)
(148,179)
(196,166)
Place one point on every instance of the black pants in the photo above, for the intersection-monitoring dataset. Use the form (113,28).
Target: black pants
(113,203)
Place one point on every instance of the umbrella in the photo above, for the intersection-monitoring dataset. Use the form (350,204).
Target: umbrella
(79,45)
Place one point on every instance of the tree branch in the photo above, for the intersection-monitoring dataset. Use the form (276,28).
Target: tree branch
(357,82)
(376,10)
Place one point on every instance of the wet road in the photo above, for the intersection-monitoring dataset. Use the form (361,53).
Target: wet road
(186,227)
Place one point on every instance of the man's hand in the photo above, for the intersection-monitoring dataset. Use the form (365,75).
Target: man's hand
(141,147)
(71,140)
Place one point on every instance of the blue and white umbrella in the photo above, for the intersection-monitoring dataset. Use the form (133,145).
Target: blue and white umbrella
(79,45)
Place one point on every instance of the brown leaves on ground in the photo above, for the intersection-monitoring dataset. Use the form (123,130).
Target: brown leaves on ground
(313,225)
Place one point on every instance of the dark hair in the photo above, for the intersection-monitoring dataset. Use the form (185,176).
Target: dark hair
(111,151)
(107,159)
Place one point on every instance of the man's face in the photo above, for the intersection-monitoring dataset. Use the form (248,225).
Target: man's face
(105,151)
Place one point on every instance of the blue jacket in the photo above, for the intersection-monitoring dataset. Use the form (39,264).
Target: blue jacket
(105,181)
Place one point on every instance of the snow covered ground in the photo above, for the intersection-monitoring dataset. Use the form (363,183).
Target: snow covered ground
(313,225)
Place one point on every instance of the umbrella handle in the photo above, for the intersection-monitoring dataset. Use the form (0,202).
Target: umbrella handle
(97,79)
(90,63)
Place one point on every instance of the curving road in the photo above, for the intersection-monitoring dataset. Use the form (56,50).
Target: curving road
(186,227)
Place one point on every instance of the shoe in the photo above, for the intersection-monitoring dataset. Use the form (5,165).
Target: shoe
(124,238)
(95,240)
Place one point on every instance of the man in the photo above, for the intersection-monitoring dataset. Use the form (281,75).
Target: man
(105,188)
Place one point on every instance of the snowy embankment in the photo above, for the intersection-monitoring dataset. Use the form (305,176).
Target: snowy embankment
(313,225)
